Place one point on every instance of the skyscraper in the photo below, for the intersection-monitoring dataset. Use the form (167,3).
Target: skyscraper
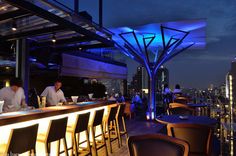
(231,83)
(231,95)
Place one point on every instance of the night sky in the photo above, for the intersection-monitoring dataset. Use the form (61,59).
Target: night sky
(193,68)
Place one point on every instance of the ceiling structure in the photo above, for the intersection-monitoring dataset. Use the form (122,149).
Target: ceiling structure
(45,21)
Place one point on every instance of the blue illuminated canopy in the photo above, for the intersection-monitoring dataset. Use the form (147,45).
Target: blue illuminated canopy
(195,27)
(152,45)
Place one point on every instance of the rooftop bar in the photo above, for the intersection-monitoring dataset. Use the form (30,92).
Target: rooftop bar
(65,84)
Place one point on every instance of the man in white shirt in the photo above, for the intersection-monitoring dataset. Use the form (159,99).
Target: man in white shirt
(13,96)
(54,94)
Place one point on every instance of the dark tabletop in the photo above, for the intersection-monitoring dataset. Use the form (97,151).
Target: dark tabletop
(165,119)
(197,104)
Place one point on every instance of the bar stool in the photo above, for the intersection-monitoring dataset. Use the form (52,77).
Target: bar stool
(56,132)
(121,120)
(81,125)
(98,122)
(111,127)
(21,140)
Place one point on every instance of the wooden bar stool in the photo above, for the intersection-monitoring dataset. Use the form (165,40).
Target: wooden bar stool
(56,132)
(21,140)
(120,121)
(81,125)
(98,122)
(111,127)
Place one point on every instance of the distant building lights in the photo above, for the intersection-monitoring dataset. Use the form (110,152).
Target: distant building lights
(7,68)
(145,90)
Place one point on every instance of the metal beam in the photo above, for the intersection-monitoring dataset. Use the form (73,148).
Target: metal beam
(163,37)
(14,14)
(101,13)
(25,5)
(76,48)
(176,44)
(31,33)
(136,56)
(178,52)
(173,29)
(60,42)
(129,44)
(76,6)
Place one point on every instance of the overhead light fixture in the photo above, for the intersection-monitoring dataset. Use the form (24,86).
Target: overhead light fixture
(14,26)
(54,38)
(3,8)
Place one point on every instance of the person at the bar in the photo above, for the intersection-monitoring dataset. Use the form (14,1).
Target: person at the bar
(54,95)
(13,96)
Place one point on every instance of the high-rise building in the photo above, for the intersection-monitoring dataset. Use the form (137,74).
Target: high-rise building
(223,90)
(231,95)
(231,83)
(140,79)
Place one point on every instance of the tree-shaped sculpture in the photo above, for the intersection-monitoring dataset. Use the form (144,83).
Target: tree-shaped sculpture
(152,57)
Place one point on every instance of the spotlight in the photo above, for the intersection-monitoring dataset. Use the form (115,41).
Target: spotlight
(14,26)
(54,38)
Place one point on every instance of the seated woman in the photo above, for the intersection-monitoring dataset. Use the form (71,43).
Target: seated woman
(177,91)
(167,96)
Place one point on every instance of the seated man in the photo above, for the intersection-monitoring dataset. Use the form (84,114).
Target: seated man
(54,94)
(13,96)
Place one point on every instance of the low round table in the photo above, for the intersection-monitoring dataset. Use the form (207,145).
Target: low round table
(166,119)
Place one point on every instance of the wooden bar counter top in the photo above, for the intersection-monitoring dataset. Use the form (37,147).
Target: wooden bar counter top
(21,116)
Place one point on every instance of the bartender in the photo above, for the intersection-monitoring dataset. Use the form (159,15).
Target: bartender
(54,94)
(13,96)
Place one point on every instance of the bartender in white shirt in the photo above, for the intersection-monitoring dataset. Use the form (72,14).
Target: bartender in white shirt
(13,96)
(54,94)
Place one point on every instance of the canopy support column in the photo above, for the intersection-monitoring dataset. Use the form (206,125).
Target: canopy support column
(22,63)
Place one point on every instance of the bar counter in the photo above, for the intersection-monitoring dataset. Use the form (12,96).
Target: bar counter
(42,116)
(21,116)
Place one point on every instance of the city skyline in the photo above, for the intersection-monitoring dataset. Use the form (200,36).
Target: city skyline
(192,68)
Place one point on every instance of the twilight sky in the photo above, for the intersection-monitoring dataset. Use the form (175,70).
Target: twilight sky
(193,68)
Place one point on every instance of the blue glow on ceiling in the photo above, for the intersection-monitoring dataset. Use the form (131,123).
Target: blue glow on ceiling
(195,27)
